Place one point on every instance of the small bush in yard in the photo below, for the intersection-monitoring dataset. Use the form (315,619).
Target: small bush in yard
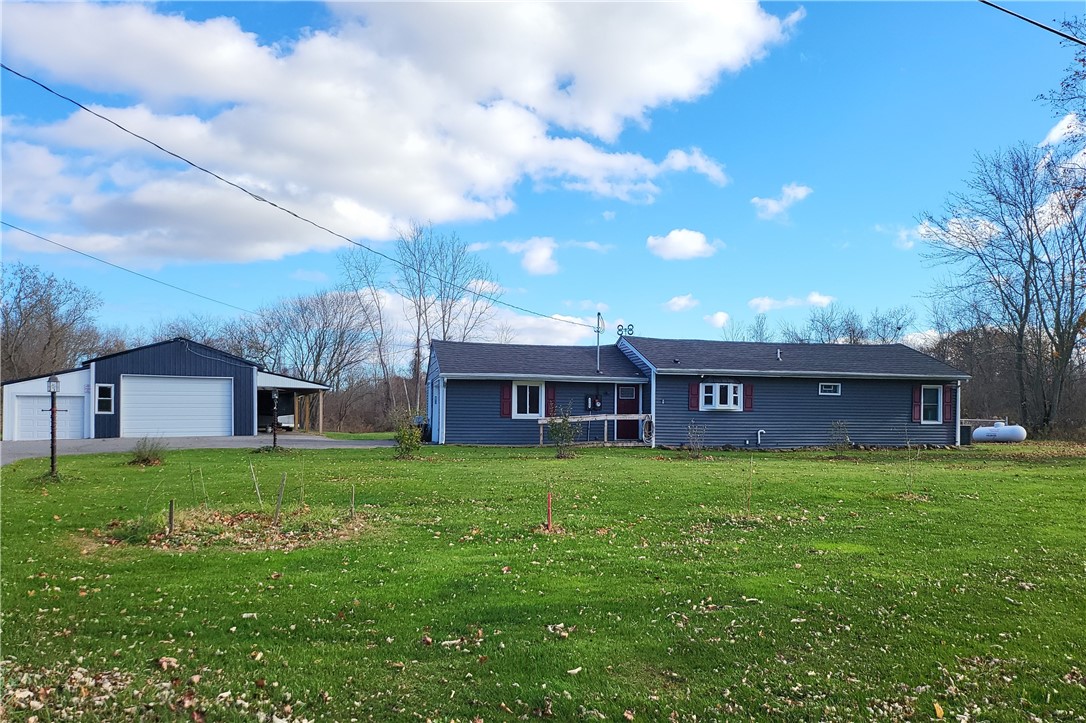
(149,452)
(839,439)
(695,440)
(563,432)
(408,434)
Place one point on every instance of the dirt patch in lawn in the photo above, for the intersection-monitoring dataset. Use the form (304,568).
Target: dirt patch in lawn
(199,528)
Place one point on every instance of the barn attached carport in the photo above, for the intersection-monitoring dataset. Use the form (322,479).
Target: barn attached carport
(300,403)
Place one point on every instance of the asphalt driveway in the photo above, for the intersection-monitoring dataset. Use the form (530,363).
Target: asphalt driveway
(15,451)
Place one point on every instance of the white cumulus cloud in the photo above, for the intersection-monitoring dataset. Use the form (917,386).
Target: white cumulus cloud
(770,208)
(1067,126)
(681,303)
(762,304)
(717,319)
(537,254)
(682,244)
(388,114)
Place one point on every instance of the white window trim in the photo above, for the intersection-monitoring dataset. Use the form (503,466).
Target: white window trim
(822,393)
(528,415)
(735,392)
(938,405)
(112,398)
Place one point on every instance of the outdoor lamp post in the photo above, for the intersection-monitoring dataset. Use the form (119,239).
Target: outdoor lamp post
(275,417)
(54,387)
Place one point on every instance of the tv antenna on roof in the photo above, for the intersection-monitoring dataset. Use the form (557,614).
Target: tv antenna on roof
(600,326)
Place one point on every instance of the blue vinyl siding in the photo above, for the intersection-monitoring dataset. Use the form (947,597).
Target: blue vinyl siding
(176,358)
(793,414)
(472,412)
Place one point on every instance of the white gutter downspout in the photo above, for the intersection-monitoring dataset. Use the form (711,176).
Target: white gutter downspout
(94,398)
(256,392)
(441,407)
(958,415)
(652,406)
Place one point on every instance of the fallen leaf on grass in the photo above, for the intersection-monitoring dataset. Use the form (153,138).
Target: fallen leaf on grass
(938,711)
(167,663)
(628,715)
(576,670)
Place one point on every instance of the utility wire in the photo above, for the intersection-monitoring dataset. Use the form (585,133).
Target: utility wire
(122,268)
(1065,36)
(257,197)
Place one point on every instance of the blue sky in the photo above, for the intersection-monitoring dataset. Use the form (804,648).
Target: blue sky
(677,167)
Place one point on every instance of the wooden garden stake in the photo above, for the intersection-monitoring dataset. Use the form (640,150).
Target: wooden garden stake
(352,501)
(257,485)
(203,487)
(549,511)
(279,502)
(169,528)
(192,481)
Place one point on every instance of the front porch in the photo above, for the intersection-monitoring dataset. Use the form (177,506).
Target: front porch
(611,433)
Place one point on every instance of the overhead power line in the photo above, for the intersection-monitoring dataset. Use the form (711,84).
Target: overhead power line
(257,197)
(1065,36)
(127,270)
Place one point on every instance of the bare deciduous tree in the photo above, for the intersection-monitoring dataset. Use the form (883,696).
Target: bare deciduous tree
(48,323)
(447,292)
(1014,240)
(834,324)
(363,276)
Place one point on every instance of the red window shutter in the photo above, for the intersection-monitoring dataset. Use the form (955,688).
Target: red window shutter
(916,402)
(748,397)
(948,404)
(693,397)
(507,399)
(552,399)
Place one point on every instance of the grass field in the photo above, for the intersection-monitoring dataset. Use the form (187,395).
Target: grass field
(361,435)
(874,585)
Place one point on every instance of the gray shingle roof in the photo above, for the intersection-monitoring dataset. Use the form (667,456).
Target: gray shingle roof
(676,356)
(527,360)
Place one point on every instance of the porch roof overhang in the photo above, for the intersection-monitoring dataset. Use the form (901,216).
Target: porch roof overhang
(544,378)
(267,380)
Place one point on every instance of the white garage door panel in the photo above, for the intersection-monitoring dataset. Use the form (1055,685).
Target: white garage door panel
(176,406)
(34,417)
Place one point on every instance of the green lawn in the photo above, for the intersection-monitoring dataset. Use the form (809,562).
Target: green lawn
(360,435)
(881,584)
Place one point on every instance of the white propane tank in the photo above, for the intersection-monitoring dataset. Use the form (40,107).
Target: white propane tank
(1000,432)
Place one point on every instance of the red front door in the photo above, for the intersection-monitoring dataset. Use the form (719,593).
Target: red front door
(629,402)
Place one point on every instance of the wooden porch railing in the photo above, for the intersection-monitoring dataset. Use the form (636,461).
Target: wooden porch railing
(643,437)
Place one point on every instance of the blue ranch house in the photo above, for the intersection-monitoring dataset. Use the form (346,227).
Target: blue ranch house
(644,391)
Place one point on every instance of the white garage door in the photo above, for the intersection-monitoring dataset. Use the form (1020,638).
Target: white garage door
(34,417)
(176,406)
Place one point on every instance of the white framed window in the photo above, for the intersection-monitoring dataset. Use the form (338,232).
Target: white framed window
(627,392)
(931,404)
(721,396)
(829,389)
(103,399)
(527,400)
